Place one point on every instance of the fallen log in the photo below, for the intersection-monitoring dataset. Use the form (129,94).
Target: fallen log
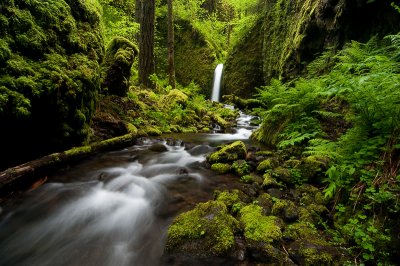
(29,172)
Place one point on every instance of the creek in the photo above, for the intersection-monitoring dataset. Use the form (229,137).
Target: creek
(114,208)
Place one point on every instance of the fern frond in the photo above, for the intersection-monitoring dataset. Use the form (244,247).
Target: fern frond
(322,148)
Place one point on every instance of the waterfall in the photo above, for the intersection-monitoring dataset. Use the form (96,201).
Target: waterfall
(216,90)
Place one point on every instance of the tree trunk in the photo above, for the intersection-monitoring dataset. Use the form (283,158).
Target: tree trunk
(146,43)
(171,43)
(24,175)
(138,15)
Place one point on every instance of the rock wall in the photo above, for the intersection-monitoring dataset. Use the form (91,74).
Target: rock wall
(296,32)
(49,75)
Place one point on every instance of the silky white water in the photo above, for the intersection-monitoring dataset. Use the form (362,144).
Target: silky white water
(216,90)
(113,210)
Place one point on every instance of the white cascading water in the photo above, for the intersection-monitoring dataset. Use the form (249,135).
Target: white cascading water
(216,90)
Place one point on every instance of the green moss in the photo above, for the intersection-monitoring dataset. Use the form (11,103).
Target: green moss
(5,51)
(258,227)
(205,231)
(285,209)
(241,167)
(117,65)
(247,178)
(228,198)
(313,256)
(270,182)
(78,150)
(45,76)
(149,131)
(131,129)
(264,153)
(243,73)
(283,174)
(265,165)
(229,153)
(283,39)
(221,168)
(174,97)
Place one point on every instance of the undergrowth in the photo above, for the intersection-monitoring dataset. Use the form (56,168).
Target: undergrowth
(347,111)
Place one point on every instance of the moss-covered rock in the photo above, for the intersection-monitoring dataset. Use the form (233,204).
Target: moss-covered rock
(283,174)
(49,74)
(270,182)
(266,165)
(221,168)
(207,230)
(174,97)
(285,209)
(258,227)
(228,198)
(243,73)
(309,247)
(266,202)
(117,65)
(241,167)
(229,153)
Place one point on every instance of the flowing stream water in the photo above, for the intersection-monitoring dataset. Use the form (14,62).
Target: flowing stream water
(115,208)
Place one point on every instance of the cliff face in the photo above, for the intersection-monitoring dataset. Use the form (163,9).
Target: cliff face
(49,74)
(296,32)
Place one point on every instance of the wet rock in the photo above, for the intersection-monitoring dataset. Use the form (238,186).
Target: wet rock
(266,203)
(250,190)
(201,149)
(266,253)
(182,171)
(229,153)
(274,192)
(158,147)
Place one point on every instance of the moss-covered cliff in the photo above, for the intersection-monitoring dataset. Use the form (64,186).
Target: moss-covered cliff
(49,74)
(295,32)
(195,57)
(242,72)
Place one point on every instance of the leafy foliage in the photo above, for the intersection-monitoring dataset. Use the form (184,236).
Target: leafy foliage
(347,110)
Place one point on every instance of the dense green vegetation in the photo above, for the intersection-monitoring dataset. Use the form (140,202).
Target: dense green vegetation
(69,76)
(346,114)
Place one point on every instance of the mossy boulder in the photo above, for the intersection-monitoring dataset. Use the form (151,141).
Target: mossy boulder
(50,52)
(241,167)
(270,182)
(117,65)
(174,97)
(228,153)
(229,198)
(285,209)
(266,202)
(266,165)
(221,168)
(258,227)
(283,174)
(207,230)
(313,167)
(307,246)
